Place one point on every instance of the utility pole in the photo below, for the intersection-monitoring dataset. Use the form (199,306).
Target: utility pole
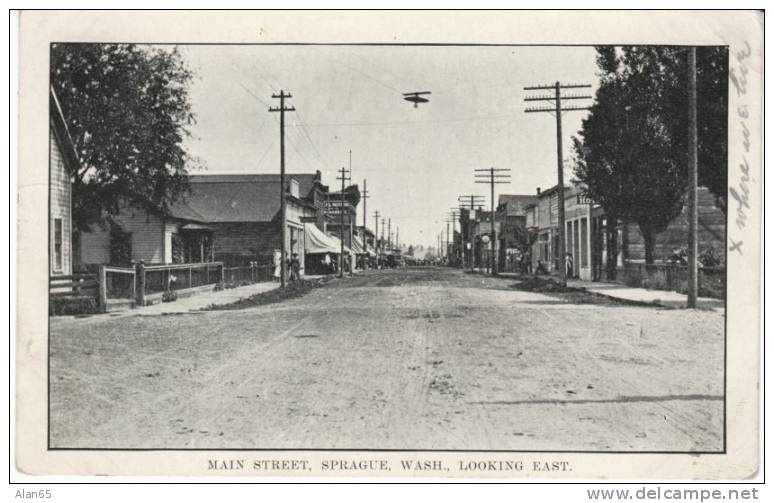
(344,178)
(283,202)
(470,201)
(376,237)
(455,215)
(693,203)
(364,196)
(557,110)
(384,221)
(493,176)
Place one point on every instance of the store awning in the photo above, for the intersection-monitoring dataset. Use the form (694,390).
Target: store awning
(357,246)
(316,241)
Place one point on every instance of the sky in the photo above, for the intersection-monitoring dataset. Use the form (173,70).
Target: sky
(416,161)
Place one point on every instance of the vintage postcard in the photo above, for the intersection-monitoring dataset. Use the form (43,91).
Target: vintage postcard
(392,244)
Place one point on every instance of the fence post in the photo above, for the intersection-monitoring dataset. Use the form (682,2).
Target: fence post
(190,276)
(102,289)
(139,270)
(222,274)
(252,272)
(207,274)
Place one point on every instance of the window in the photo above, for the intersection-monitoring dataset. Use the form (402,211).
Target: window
(58,230)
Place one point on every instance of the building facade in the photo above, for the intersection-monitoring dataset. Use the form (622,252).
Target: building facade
(63,161)
(587,249)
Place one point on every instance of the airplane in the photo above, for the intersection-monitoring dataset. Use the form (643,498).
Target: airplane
(416,98)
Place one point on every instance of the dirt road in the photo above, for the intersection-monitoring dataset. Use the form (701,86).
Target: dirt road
(403,359)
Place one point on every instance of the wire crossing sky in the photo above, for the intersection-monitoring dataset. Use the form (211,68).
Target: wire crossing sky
(416,160)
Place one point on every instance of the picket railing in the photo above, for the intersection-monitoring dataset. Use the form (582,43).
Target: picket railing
(154,280)
(126,287)
(253,273)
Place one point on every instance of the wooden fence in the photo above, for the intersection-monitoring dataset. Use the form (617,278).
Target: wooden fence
(73,285)
(113,288)
(253,273)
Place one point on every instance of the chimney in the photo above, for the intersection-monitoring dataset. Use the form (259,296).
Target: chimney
(538,191)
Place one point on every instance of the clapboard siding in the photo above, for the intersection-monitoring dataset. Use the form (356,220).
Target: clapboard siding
(60,190)
(237,243)
(147,232)
(148,235)
(711,232)
(95,247)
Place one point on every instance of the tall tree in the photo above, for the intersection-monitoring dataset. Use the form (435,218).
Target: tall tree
(128,111)
(626,156)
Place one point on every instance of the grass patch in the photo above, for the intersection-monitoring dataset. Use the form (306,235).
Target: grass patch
(571,295)
(292,290)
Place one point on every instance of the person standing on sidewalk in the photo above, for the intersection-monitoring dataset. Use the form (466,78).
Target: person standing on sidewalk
(295,268)
(277,265)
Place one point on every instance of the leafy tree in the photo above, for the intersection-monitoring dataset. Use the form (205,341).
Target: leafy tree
(632,151)
(128,112)
(625,154)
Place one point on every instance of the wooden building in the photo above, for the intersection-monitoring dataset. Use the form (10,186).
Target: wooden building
(63,161)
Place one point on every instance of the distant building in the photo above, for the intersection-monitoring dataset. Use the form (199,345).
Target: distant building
(230,218)
(512,233)
(542,220)
(586,237)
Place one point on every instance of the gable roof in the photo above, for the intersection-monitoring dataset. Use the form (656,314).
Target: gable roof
(516,203)
(62,133)
(235,198)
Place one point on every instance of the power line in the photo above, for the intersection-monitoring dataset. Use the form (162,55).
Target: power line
(283,202)
(404,123)
(557,110)
(493,177)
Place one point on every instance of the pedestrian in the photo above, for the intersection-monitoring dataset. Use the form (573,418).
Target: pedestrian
(277,265)
(568,264)
(328,267)
(295,268)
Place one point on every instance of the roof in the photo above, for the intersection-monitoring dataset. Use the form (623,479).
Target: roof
(62,132)
(234,198)
(306,181)
(517,203)
(551,190)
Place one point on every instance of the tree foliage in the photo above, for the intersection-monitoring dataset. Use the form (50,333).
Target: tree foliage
(632,150)
(128,112)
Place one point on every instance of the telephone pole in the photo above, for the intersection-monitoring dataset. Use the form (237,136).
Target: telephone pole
(693,206)
(557,110)
(469,202)
(384,221)
(376,237)
(455,216)
(365,196)
(493,177)
(343,172)
(283,203)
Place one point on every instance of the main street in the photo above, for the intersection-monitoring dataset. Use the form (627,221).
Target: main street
(425,358)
